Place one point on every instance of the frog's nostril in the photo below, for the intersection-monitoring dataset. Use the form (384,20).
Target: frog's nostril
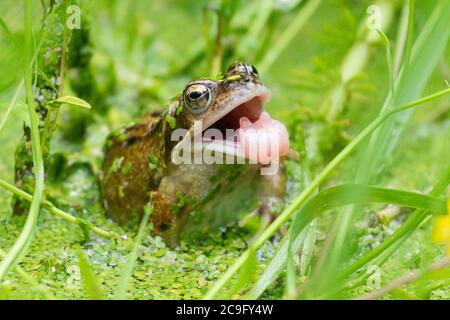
(254,70)
(236,66)
(241,68)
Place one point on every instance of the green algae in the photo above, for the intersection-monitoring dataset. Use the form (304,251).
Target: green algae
(182,201)
(153,162)
(127,167)
(160,273)
(171,121)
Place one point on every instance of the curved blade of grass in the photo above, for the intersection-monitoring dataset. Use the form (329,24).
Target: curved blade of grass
(58,212)
(308,248)
(13,101)
(88,279)
(25,276)
(403,232)
(278,262)
(380,254)
(401,36)
(297,202)
(347,194)
(121,290)
(246,275)
(409,38)
(22,243)
(388,60)
(407,279)
(9,34)
(275,266)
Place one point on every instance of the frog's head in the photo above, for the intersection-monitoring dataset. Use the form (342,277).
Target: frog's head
(234,102)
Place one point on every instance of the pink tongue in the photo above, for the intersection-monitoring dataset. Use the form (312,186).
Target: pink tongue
(264,140)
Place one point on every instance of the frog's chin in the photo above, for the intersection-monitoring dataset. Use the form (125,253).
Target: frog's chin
(243,130)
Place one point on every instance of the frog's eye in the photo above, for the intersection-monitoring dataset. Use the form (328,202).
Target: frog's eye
(197,97)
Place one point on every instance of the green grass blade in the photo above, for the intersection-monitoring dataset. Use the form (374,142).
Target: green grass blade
(88,279)
(58,212)
(246,275)
(346,194)
(9,34)
(410,83)
(286,37)
(12,103)
(357,194)
(23,241)
(387,46)
(401,234)
(121,290)
(409,38)
(28,278)
(278,262)
(276,266)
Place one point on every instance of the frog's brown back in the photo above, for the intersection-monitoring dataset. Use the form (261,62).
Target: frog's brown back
(127,176)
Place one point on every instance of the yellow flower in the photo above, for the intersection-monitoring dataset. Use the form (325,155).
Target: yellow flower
(441,230)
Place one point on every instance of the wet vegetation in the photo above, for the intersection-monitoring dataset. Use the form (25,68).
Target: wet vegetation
(361,85)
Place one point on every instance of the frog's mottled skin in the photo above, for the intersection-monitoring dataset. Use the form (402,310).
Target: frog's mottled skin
(138,169)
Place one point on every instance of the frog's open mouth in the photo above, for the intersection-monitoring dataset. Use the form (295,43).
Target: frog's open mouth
(251,109)
(247,131)
(243,129)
